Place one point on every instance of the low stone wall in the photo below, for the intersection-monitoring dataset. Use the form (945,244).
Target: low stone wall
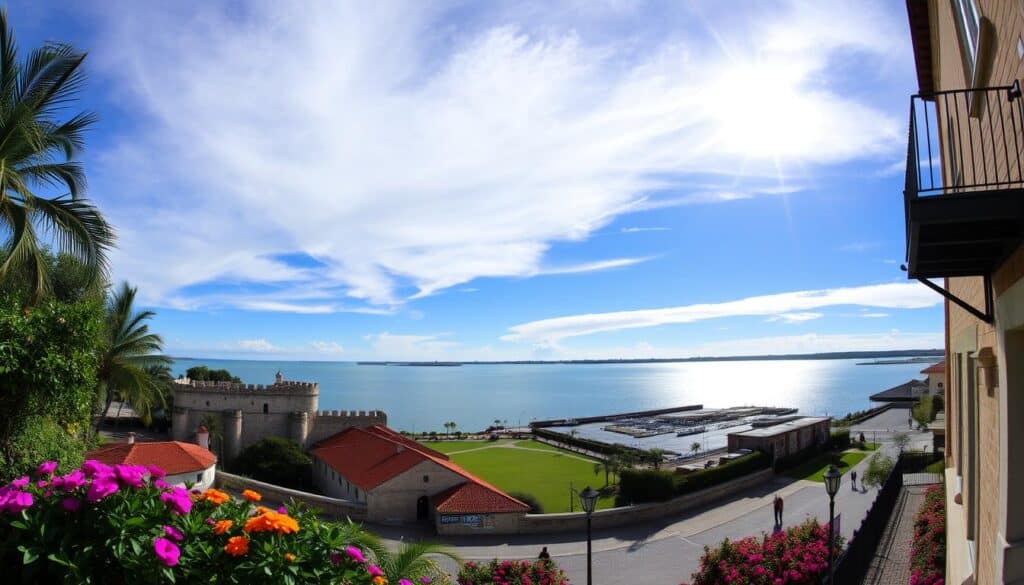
(277,494)
(566,522)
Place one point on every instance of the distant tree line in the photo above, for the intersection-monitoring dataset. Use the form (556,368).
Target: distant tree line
(205,374)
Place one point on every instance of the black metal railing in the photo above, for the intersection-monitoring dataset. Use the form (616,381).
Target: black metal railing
(852,564)
(965,139)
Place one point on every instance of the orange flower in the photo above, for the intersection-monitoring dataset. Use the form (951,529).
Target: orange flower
(289,557)
(271,521)
(237,546)
(379,580)
(222,526)
(262,509)
(251,495)
(217,497)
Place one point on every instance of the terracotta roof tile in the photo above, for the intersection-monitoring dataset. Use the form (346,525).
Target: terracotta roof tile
(172,456)
(473,498)
(939,368)
(370,456)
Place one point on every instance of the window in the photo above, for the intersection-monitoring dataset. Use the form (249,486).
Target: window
(199,478)
(207,403)
(968,24)
(426,479)
(266,408)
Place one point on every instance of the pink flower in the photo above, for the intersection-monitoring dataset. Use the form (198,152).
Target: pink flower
(174,533)
(355,553)
(425,580)
(70,481)
(374,570)
(282,510)
(100,488)
(46,468)
(15,501)
(19,483)
(92,468)
(130,475)
(71,504)
(211,521)
(159,483)
(166,551)
(178,503)
(155,471)
(404,582)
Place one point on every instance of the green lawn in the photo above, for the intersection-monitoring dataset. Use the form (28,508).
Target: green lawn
(936,467)
(871,446)
(452,446)
(814,469)
(546,475)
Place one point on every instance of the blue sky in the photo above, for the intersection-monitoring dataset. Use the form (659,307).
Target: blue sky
(503,180)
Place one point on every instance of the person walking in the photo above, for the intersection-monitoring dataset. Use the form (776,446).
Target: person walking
(853,480)
(544,555)
(778,511)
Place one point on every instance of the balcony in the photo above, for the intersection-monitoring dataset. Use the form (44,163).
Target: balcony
(964,194)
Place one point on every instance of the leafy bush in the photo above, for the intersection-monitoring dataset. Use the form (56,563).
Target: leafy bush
(48,364)
(840,439)
(124,524)
(205,374)
(637,486)
(530,500)
(798,556)
(42,439)
(738,467)
(512,573)
(928,551)
(276,460)
(879,468)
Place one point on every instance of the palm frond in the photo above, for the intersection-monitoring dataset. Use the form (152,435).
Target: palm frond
(413,560)
(79,230)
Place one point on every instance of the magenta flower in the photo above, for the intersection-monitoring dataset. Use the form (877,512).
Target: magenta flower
(71,504)
(156,472)
(100,488)
(355,553)
(166,551)
(404,582)
(282,510)
(70,481)
(424,580)
(160,483)
(210,521)
(130,475)
(14,501)
(374,571)
(46,468)
(19,483)
(174,533)
(335,557)
(93,468)
(178,500)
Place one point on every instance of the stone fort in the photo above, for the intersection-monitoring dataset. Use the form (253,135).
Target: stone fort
(249,412)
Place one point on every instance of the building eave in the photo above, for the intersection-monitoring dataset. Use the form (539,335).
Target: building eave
(920,35)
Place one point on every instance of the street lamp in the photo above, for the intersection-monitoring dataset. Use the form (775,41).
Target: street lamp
(832,479)
(588,501)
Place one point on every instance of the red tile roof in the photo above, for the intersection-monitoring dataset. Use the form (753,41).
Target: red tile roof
(172,456)
(370,456)
(472,498)
(939,368)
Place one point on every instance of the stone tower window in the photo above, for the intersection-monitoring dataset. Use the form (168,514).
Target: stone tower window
(207,403)
(266,408)
(426,479)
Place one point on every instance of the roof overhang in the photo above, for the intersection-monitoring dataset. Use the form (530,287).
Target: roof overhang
(920,35)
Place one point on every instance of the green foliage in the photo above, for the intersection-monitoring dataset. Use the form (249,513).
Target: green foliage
(114,538)
(840,439)
(41,439)
(530,500)
(901,440)
(48,367)
(924,410)
(38,153)
(879,467)
(205,374)
(650,485)
(275,460)
(814,469)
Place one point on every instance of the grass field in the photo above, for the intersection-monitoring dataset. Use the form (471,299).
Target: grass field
(527,466)
(936,467)
(814,469)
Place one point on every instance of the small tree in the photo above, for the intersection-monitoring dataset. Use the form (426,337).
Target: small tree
(879,468)
(923,410)
(275,460)
(901,440)
(694,447)
(657,457)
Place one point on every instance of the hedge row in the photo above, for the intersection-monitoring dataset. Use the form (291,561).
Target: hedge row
(637,486)
(592,446)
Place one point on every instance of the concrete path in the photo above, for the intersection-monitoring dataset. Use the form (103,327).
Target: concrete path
(891,565)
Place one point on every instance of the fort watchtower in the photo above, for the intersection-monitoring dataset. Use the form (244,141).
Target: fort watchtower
(249,412)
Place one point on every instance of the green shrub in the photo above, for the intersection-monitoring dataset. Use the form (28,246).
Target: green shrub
(692,482)
(637,486)
(205,374)
(530,500)
(42,439)
(840,439)
(276,460)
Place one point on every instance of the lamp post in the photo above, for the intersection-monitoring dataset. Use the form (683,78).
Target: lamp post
(588,500)
(832,480)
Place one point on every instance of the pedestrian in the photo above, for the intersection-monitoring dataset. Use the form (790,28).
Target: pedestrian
(778,511)
(544,555)
(853,480)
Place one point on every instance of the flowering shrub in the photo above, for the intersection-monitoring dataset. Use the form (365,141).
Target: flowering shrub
(512,573)
(797,556)
(928,552)
(125,524)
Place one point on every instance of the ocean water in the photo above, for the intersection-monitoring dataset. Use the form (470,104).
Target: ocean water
(473,396)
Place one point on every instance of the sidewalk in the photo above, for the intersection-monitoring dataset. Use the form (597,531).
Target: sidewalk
(891,565)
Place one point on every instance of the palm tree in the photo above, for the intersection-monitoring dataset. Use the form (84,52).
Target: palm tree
(413,561)
(694,447)
(37,151)
(129,350)
(657,457)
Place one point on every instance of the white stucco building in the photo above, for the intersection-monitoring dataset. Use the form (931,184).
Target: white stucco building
(184,463)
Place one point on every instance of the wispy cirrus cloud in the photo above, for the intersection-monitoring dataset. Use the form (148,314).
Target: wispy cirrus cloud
(891,296)
(410,151)
(636,230)
(795,317)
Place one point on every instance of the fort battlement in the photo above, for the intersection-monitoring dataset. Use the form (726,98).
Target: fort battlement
(325,414)
(284,387)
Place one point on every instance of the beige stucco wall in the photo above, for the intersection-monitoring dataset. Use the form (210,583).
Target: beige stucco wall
(395,500)
(977,404)
(202,479)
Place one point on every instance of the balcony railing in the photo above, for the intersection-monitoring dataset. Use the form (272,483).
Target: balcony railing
(965,139)
(964,190)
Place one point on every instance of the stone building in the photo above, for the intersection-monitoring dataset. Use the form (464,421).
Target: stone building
(936,378)
(400,480)
(249,412)
(184,463)
(963,206)
(784,439)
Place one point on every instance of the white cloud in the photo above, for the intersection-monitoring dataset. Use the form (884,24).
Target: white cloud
(859,246)
(257,345)
(634,230)
(409,155)
(328,347)
(890,296)
(874,315)
(795,317)
(596,266)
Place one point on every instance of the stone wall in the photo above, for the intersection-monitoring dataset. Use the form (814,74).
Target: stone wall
(396,499)
(325,423)
(276,494)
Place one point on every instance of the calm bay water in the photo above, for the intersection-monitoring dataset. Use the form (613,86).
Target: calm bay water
(423,398)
